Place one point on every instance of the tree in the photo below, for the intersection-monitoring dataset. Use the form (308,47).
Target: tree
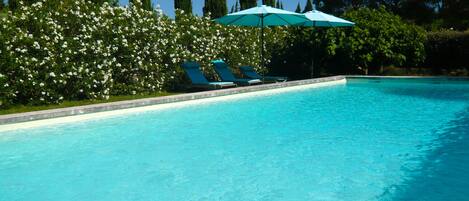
(13,5)
(217,8)
(185,5)
(237,8)
(379,38)
(334,7)
(2,4)
(308,7)
(417,11)
(281,5)
(146,4)
(245,4)
(298,8)
(455,14)
(269,2)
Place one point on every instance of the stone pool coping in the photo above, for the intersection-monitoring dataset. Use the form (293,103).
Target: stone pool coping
(372,77)
(119,105)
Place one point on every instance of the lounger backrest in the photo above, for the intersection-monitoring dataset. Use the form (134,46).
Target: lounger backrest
(193,72)
(223,71)
(250,72)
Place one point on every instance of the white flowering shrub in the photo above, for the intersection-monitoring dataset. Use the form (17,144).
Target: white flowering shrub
(80,50)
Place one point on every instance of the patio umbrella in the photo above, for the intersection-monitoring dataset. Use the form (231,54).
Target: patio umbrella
(262,16)
(317,18)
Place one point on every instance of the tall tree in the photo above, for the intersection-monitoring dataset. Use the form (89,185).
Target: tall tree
(185,5)
(308,7)
(2,5)
(417,11)
(298,8)
(237,7)
(146,4)
(216,8)
(455,14)
(269,3)
(245,4)
(334,7)
(13,5)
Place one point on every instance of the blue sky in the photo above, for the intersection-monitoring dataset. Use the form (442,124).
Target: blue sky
(168,5)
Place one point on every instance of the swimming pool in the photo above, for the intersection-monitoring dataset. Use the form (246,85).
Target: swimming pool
(368,139)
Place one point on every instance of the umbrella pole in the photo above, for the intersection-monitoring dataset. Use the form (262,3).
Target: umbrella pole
(262,47)
(312,53)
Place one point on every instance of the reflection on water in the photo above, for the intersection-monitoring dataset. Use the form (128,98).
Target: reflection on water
(445,173)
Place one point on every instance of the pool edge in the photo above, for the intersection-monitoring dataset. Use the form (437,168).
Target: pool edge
(7,122)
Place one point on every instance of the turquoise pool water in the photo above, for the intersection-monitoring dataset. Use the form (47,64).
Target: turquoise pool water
(366,140)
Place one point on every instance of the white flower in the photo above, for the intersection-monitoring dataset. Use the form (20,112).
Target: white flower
(36,45)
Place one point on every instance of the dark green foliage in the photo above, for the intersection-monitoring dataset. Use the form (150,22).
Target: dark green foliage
(379,39)
(298,8)
(447,50)
(308,7)
(245,4)
(185,5)
(2,5)
(216,8)
(268,2)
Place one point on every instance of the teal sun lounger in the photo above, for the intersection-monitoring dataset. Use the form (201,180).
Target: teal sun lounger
(198,79)
(227,76)
(249,72)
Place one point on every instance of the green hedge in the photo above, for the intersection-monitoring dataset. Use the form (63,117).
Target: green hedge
(70,50)
(447,51)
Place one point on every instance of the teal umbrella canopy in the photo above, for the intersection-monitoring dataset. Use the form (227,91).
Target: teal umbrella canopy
(262,16)
(319,19)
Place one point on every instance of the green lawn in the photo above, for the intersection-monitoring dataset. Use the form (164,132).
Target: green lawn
(27,108)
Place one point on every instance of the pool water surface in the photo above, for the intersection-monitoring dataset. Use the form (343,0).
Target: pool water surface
(364,140)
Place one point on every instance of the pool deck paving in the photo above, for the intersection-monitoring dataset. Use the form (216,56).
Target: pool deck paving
(79,110)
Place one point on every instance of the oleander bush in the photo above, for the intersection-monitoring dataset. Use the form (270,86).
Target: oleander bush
(71,50)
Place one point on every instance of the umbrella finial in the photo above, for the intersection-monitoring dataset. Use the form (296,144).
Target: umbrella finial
(314,6)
